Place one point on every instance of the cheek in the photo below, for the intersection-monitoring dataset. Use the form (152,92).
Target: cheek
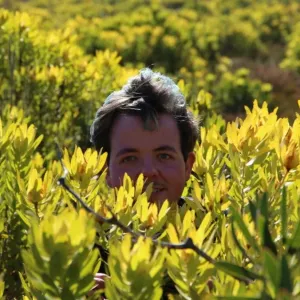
(175,175)
(117,174)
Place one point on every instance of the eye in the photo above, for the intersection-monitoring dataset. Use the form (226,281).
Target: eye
(128,159)
(164,156)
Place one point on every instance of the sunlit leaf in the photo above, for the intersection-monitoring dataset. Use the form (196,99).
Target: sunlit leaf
(285,278)
(244,229)
(237,271)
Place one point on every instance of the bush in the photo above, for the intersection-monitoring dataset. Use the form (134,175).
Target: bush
(235,235)
(50,78)
(239,234)
(231,90)
(292,59)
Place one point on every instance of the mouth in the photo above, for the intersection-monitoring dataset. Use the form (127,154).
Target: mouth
(157,190)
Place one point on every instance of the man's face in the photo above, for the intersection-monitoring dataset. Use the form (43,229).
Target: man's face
(156,154)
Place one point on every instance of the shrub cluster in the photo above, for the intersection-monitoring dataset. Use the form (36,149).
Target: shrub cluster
(50,78)
(45,73)
(238,234)
(186,39)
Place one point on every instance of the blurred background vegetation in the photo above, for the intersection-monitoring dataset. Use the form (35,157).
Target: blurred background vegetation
(60,59)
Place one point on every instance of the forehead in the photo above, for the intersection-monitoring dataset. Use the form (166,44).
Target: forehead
(129,131)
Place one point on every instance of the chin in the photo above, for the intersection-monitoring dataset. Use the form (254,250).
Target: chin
(160,197)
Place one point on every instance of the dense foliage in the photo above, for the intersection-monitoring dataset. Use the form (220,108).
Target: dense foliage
(48,76)
(239,225)
(191,40)
(243,214)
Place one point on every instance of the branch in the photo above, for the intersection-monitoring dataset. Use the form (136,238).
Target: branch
(187,244)
(113,220)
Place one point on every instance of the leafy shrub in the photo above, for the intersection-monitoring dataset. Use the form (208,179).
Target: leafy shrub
(292,59)
(239,230)
(48,76)
(231,90)
(60,88)
(59,258)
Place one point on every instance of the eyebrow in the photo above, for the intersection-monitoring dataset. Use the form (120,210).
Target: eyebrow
(125,151)
(165,148)
(158,149)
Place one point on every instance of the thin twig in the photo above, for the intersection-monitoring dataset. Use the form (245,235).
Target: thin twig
(113,220)
(187,244)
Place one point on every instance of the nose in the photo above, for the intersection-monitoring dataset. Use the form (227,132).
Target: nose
(149,168)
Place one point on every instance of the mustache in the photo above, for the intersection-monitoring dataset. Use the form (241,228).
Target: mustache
(153,185)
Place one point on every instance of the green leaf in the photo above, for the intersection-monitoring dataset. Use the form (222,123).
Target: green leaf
(39,295)
(252,209)
(66,294)
(24,284)
(29,262)
(72,274)
(2,225)
(286,280)
(37,142)
(187,221)
(234,235)
(263,224)
(210,187)
(56,264)
(49,285)
(266,236)
(157,226)
(139,185)
(85,285)
(283,212)
(294,242)
(263,205)
(237,271)
(244,229)
(88,267)
(39,262)
(237,298)
(272,269)
(24,218)
(1,288)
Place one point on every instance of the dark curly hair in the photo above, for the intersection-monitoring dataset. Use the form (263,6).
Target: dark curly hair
(146,95)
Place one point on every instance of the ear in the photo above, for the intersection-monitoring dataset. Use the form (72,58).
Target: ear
(189,165)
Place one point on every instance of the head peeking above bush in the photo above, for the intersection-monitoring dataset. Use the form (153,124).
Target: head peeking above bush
(146,128)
